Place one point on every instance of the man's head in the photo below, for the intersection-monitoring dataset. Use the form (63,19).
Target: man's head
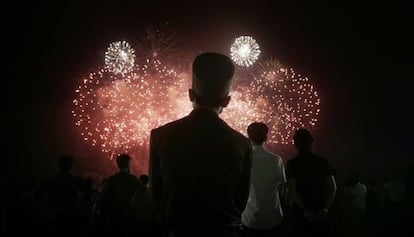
(144,179)
(212,76)
(257,133)
(65,163)
(303,139)
(123,161)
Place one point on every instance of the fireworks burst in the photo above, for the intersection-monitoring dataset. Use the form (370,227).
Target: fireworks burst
(287,100)
(244,51)
(116,107)
(117,114)
(120,57)
(160,42)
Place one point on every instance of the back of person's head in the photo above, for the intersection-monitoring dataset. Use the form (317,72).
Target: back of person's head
(123,161)
(144,179)
(65,163)
(211,79)
(303,139)
(354,179)
(257,132)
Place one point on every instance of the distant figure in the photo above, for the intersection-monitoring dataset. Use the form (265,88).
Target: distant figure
(63,193)
(89,199)
(147,218)
(408,180)
(395,203)
(374,205)
(118,199)
(394,190)
(313,187)
(144,179)
(199,166)
(336,215)
(357,192)
(263,214)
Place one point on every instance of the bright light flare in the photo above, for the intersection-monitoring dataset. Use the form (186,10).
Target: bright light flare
(244,51)
(120,57)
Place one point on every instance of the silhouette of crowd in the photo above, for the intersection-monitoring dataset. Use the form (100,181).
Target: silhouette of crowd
(206,179)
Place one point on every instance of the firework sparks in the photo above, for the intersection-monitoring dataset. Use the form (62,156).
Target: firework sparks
(244,51)
(117,114)
(120,57)
(116,107)
(287,100)
(161,42)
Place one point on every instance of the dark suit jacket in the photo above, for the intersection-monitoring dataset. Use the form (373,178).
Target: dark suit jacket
(199,171)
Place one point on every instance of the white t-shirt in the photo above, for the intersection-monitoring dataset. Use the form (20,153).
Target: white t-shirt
(359,193)
(263,210)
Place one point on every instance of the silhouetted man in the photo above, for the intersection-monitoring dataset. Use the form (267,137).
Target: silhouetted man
(63,192)
(199,166)
(263,214)
(118,197)
(357,192)
(312,185)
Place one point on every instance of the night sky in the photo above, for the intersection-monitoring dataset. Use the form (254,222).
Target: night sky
(359,57)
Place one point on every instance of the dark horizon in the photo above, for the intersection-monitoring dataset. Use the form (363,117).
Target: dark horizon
(359,58)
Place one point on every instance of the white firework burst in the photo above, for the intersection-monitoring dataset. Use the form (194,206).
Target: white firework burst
(244,51)
(120,57)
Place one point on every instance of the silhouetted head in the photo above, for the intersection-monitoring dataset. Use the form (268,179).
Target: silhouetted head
(303,139)
(211,80)
(144,179)
(354,179)
(65,163)
(257,133)
(123,161)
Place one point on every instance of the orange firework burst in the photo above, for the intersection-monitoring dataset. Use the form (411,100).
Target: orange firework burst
(116,112)
(288,100)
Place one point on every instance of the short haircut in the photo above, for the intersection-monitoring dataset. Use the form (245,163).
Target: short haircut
(212,76)
(302,138)
(257,132)
(144,178)
(65,163)
(123,160)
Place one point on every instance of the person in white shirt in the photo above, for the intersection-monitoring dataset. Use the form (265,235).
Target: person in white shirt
(356,217)
(358,193)
(263,213)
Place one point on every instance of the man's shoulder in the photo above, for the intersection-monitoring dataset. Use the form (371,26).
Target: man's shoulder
(308,157)
(121,177)
(236,134)
(322,160)
(169,126)
(272,155)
